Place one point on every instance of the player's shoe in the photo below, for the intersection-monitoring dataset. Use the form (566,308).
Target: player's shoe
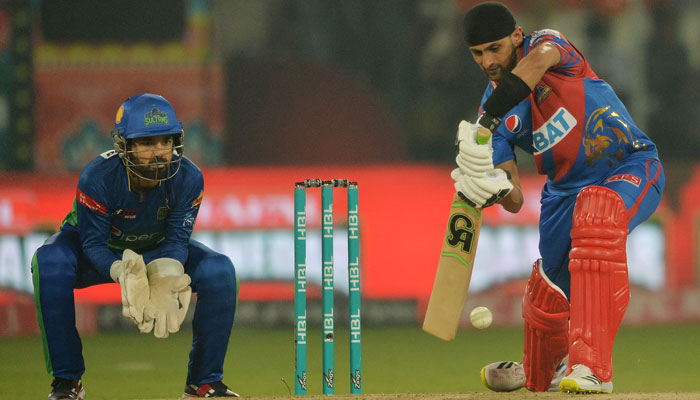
(507,376)
(214,389)
(66,389)
(582,380)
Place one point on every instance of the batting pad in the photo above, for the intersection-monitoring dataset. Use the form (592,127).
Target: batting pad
(599,284)
(546,315)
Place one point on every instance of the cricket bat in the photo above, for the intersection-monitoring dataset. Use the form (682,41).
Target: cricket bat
(455,267)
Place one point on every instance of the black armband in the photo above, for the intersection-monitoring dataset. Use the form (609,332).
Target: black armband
(510,91)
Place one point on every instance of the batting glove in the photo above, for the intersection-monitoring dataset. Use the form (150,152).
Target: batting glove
(482,191)
(170,297)
(473,159)
(130,273)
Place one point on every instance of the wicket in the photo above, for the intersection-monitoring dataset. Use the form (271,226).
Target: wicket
(328,285)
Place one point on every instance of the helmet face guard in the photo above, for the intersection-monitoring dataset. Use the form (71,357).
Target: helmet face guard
(157,169)
(142,116)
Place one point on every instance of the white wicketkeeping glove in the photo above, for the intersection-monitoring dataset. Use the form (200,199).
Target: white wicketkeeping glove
(170,297)
(473,159)
(482,191)
(130,273)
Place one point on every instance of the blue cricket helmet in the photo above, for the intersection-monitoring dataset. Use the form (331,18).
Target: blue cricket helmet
(147,115)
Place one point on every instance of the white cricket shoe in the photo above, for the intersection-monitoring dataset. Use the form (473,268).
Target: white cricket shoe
(582,380)
(507,376)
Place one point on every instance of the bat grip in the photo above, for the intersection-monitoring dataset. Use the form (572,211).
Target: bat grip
(482,135)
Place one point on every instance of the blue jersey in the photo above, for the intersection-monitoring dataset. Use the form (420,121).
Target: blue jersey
(110,217)
(573,123)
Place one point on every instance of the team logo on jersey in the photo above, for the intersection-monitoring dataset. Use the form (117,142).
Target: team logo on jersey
(155,116)
(553,131)
(629,178)
(606,136)
(163,212)
(514,124)
(541,93)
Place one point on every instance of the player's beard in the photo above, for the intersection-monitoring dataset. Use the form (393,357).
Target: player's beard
(155,169)
(512,62)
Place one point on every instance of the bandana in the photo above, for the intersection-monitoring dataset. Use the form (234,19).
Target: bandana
(487,22)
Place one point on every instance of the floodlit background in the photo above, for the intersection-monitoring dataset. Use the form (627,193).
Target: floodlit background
(276,91)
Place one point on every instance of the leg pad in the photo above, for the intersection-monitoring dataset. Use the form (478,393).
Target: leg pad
(599,282)
(546,315)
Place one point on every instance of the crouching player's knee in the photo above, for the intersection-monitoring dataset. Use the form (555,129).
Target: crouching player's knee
(217,276)
(56,264)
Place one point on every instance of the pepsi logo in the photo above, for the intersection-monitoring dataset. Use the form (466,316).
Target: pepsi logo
(514,124)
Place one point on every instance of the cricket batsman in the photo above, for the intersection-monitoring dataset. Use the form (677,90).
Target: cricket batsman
(604,178)
(131,222)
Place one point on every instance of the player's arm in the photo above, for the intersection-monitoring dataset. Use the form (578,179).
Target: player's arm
(532,67)
(514,200)
(94,225)
(516,86)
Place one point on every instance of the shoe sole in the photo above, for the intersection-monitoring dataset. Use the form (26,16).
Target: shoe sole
(571,386)
(483,378)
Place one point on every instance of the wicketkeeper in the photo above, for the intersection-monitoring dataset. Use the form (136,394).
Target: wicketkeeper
(603,179)
(131,222)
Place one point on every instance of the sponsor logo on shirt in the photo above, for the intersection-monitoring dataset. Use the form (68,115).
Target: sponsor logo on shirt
(188,221)
(553,131)
(108,154)
(198,200)
(90,203)
(514,124)
(126,213)
(629,178)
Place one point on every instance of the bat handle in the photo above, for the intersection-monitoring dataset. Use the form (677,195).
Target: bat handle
(482,135)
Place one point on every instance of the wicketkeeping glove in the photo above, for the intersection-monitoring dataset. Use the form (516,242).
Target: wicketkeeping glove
(130,273)
(482,191)
(170,297)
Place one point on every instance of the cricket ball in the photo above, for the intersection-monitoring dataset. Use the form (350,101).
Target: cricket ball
(481,317)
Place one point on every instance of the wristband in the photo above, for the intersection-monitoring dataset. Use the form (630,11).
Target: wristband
(489,122)
(510,91)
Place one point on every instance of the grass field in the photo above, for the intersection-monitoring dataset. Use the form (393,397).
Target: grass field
(395,360)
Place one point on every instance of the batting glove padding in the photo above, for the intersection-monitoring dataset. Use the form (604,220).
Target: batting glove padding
(130,273)
(483,191)
(473,159)
(170,293)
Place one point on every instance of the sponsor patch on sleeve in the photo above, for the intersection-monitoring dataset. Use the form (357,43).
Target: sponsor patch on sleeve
(635,180)
(90,203)
(198,200)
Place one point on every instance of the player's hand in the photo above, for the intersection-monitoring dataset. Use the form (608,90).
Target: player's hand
(482,191)
(130,273)
(170,297)
(474,159)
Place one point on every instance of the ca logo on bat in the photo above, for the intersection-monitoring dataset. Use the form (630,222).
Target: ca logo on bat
(461,232)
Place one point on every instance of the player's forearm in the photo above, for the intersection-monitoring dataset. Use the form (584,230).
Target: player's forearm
(100,256)
(514,200)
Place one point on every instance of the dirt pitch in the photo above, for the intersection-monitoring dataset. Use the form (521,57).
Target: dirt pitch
(487,396)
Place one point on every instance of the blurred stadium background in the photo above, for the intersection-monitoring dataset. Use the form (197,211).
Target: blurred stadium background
(275,91)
